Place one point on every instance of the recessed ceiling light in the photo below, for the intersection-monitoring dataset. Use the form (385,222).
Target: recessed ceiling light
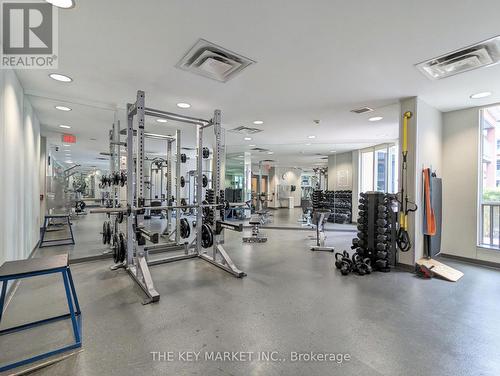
(161,120)
(375,118)
(67,150)
(311,137)
(251,145)
(248,138)
(183,105)
(483,94)
(69,161)
(308,144)
(60,77)
(270,152)
(66,146)
(333,151)
(63,108)
(258,122)
(64,126)
(62,3)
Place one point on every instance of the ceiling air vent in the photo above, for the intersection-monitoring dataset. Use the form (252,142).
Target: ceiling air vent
(362,110)
(245,130)
(479,55)
(102,159)
(210,60)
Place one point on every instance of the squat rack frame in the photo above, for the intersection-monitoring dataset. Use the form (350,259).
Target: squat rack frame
(137,254)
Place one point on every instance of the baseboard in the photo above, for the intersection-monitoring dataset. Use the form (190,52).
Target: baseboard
(488,264)
(405,267)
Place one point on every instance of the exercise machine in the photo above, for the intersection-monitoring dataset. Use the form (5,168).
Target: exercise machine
(208,240)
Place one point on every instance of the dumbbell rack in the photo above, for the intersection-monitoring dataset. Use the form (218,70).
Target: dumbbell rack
(377,226)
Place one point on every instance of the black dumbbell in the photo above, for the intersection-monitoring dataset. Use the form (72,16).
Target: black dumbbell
(381,222)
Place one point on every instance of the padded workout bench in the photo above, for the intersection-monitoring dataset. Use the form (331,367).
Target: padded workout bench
(13,270)
(255,220)
(55,242)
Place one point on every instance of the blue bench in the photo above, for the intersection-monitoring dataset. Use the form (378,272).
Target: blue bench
(55,242)
(13,270)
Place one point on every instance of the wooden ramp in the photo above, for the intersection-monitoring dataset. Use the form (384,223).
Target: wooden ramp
(441,270)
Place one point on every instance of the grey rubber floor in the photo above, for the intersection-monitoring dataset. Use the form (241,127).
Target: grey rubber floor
(293,300)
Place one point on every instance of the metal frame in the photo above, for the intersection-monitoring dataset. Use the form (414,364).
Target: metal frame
(56,242)
(74,314)
(137,255)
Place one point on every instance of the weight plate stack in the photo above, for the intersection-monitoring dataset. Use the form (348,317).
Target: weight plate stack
(185,229)
(207,236)
(221,200)
(208,212)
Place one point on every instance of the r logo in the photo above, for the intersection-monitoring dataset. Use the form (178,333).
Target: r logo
(27,28)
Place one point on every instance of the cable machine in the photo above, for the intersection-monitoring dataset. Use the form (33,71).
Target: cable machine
(209,231)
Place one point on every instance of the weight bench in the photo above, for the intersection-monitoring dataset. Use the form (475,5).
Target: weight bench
(20,269)
(255,220)
(55,242)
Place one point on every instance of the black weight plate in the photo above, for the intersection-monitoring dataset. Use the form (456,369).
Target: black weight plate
(123,179)
(205,152)
(116,249)
(183,203)
(108,232)
(204,181)
(104,233)
(185,230)
(207,237)
(183,158)
(123,247)
(183,181)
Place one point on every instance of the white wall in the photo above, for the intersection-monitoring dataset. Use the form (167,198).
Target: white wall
(19,169)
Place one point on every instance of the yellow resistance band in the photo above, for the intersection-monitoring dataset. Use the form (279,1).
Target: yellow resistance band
(403,221)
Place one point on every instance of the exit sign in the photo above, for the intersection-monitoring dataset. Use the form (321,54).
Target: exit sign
(69,138)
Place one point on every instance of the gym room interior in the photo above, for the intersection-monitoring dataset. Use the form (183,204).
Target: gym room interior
(249,187)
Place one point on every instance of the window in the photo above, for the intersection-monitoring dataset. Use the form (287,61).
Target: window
(379,169)
(489,190)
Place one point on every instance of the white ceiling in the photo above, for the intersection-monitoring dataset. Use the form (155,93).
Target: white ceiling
(315,60)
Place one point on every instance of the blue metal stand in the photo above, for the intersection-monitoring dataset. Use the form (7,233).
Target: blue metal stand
(35,267)
(56,242)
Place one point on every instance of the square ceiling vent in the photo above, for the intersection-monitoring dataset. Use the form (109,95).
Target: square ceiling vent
(245,130)
(210,60)
(479,55)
